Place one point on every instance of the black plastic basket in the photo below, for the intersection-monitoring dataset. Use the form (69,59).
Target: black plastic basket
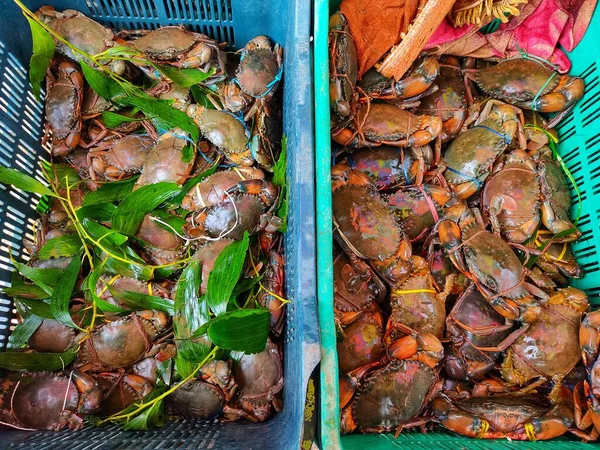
(235,21)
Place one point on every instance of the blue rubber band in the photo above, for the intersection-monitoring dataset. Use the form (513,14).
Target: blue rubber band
(464,175)
(406,174)
(505,138)
(350,160)
(542,89)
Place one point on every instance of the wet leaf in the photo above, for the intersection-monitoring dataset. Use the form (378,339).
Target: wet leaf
(91,285)
(18,288)
(185,77)
(139,271)
(109,88)
(139,302)
(279,169)
(243,330)
(17,361)
(22,332)
(110,192)
(60,175)
(101,212)
(129,215)
(43,51)
(61,297)
(24,182)
(161,109)
(169,222)
(190,314)
(188,154)
(107,237)
(245,285)
(114,120)
(67,245)
(117,50)
(44,278)
(225,275)
(38,308)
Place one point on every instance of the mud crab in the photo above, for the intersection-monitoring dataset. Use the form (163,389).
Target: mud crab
(490,262)
(118,344)
(161,245)
(165,160)
(82,32)
(343,66)
(224,130)
(197,399)
(530,84)
(477,333)
(47,401)
(273,282)
(365,225)
(514,202)
(503,416)
(121,158)
(557,260)
(63,108)
(449,101)
(549,348)
(259,378)
(470,156)
(589,338)
(416,84)
(382,123)
(259,71)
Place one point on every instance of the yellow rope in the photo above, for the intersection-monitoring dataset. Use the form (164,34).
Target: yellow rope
(150,291)
(413,291)
(483,429)
(240,174)
(530,431)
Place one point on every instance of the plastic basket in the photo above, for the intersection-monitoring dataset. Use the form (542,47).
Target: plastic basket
(579,148)
(236,21)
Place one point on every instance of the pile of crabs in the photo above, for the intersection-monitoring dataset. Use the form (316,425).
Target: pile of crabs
(453,252)
(126,354)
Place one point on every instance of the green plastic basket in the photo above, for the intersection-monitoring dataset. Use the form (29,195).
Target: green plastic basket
(580,149)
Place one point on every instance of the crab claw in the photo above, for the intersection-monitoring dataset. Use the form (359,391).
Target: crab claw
(589,337)
(90,391)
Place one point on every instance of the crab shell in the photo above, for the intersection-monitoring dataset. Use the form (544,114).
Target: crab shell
(125,157)
(51,336)
(550,346)
(463,360)
(121,343)
(392,395)
(344,64)
(259,378)
(259,70)
(165,162)
(197,399)
(48,401)
(384,122)
(81,31)
(424,311)
(166,43)
(225,131)
(273,282)
(366,221)
(361,342)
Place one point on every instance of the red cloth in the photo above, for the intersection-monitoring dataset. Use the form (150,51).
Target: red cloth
(538,30)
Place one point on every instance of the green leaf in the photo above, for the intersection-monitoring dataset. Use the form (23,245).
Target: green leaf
(22,332)
(66,245)
(161,109)
(104,235)
(17,361)
(129,215)
(279,169)
(225,275)
(117,50)
(183,366)
(139,271)
(245,285)
(18,288)
(109,88)
(61,175)
(43,51)
(44,278)
(90,285)
(153,417)
(24,182)
(138,301)
(101,212)
(36,307)
(61,297)
(189,184)
(190,314)
(172,221)
(201,96)
(188,153)
(185,77)
(109,192)
(243,330)
(114,120)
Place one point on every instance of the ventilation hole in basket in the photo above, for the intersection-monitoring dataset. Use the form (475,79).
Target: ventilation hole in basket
(588,71)
(7,109)
(591,267)
(591,117)
(591,96)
